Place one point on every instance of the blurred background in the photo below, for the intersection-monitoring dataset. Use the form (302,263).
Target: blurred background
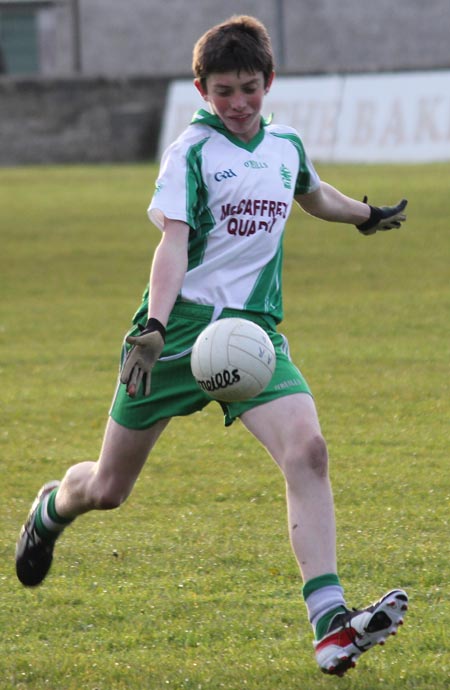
(87,79)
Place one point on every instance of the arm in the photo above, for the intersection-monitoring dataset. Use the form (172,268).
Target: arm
(169,266)
(168,270)
(328,203)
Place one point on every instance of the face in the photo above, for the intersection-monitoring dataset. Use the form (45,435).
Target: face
(236,98)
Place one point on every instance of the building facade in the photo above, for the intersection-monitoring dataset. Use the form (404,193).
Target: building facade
(122,38)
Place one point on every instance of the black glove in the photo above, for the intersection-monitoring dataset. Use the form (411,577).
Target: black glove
(141,358)
(383,218)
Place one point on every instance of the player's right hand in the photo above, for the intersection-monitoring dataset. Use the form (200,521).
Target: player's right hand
(141,358)
(383,218)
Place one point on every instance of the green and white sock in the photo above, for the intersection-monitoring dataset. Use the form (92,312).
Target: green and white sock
(48,523)
(324,598)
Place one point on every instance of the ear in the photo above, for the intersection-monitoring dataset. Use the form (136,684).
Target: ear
(200,89)
(269,82)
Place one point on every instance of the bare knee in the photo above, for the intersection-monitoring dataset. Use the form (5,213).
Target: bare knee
(316,455)
(309,457)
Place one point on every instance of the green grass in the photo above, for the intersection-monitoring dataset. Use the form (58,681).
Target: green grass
(191,584)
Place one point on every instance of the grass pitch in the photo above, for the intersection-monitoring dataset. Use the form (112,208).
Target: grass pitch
(191,584)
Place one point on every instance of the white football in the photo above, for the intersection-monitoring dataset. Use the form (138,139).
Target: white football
(233,359)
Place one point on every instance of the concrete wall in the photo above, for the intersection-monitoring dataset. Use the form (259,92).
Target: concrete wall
(81,120)
(151,37)
(367,35)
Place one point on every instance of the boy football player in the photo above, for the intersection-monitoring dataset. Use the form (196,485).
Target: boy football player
(223,195)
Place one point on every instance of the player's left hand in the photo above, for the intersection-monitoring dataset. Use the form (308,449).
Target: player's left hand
(142,357)
(383,218)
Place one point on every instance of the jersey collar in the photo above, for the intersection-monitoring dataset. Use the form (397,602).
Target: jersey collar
(204,117)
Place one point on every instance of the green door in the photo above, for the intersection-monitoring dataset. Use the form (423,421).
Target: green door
(18,41)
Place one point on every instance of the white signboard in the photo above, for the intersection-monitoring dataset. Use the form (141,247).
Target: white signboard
(403,117)
(311,105)
(395,118)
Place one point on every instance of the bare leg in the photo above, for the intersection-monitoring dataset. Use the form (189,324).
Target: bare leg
(290,431)
(108,482)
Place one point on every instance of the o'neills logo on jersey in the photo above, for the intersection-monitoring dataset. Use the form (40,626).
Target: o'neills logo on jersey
(253,215)
(222,379)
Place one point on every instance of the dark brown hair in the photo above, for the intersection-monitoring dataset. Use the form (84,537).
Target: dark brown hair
(241,43)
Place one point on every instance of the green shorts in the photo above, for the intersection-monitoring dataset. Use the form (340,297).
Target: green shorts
(174,391)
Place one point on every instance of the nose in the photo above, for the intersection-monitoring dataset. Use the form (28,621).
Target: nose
(238,101)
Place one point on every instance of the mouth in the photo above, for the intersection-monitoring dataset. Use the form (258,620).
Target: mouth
(239,119)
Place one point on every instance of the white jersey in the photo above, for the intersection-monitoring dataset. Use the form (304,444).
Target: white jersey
(236,197)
